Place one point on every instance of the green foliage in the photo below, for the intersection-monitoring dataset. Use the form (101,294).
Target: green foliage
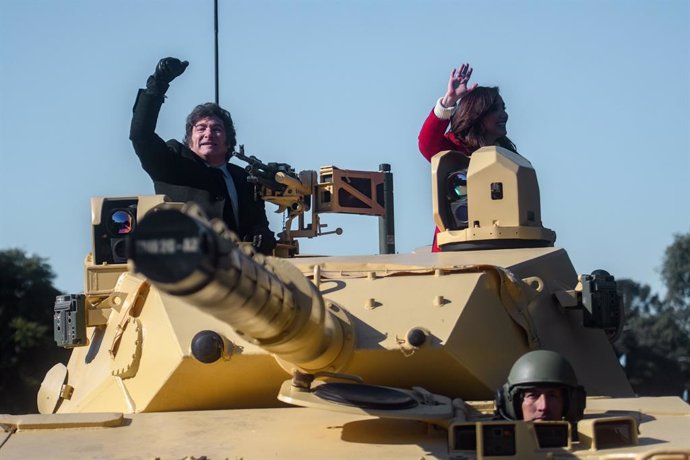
(27,349)
(656,338)
(27,334)
(675,272)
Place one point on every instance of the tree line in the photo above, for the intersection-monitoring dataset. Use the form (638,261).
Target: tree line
(655,344)
(654,347)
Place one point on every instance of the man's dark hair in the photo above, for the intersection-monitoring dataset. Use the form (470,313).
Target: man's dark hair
(467,124)
(210,109)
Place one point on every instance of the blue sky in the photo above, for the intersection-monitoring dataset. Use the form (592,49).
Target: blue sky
(598,94)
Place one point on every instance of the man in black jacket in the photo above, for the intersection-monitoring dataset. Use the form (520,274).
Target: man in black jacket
(198,169)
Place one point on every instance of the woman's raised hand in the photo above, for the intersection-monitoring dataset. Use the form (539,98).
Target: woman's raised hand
(457,85)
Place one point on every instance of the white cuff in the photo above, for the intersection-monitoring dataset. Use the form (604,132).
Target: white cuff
(444,113)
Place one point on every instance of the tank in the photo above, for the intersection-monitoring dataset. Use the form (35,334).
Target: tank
(187,344)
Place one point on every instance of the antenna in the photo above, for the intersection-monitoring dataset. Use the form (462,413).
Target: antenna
(215,24)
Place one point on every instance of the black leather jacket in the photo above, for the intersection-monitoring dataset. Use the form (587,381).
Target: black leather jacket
(179,173)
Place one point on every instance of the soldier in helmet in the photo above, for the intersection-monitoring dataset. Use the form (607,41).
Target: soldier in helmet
(541,386)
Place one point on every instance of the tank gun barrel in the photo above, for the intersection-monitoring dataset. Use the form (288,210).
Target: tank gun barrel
(266,300)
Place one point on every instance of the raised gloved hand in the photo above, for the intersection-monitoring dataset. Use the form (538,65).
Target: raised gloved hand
(169,68)
(166,71)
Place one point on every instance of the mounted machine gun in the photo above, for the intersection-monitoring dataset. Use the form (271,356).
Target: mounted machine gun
(334,190)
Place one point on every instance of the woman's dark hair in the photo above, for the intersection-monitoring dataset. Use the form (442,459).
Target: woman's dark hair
(466,122)
(210,109)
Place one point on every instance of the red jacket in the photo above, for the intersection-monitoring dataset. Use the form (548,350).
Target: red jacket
(433,138)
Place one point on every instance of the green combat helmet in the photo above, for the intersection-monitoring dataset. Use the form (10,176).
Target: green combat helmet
(541,368)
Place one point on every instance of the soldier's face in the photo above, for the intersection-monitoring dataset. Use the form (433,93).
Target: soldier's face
(209,140)
(542,403)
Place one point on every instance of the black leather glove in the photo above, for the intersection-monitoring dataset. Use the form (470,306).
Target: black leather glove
(166,71)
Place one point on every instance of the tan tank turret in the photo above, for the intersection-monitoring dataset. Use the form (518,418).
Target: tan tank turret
(195,346)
